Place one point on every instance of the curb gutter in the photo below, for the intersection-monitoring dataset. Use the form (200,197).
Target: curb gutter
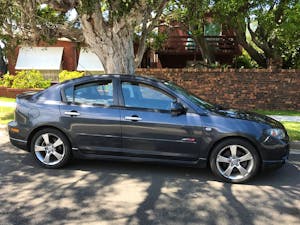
(295,145)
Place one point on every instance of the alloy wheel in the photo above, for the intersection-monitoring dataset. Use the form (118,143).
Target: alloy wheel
(49,149)
(234,162)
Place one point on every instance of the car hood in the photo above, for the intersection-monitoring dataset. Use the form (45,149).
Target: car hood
(250,116)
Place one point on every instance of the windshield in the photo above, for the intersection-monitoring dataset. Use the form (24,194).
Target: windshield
(190,96)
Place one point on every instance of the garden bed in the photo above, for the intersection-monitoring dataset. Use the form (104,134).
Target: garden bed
(13,92)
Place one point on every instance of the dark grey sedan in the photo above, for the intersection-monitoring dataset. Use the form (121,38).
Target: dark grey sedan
(142,119)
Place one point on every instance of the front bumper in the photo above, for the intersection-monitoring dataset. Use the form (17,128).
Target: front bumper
(274,153)
(274,164)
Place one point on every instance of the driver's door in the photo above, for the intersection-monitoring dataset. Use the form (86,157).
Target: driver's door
(148,127)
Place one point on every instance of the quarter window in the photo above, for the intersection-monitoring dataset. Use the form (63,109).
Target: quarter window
(69,94)
(142,95)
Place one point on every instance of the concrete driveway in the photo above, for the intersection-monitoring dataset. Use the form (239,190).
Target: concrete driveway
(98,192)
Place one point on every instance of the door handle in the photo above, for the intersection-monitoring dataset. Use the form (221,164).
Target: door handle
(72,113)
(133,118)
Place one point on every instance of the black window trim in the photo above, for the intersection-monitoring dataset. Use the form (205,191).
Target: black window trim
(149,83)
(73,85)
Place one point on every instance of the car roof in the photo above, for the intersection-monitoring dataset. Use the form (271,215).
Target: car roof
(94,77)
(54,92)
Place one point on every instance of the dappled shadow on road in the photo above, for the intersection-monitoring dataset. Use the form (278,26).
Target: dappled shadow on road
(93,191)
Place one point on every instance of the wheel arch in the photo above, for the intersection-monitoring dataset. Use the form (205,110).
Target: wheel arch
(37,129)
(249,140)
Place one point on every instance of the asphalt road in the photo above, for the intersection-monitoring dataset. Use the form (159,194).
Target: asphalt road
(98,192)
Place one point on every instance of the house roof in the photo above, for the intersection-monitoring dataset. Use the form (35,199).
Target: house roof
(89,61)
(39,58)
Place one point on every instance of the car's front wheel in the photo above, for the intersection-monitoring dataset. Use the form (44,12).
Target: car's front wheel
(50,148)
(234,160)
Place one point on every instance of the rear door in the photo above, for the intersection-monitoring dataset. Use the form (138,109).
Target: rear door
(91,117)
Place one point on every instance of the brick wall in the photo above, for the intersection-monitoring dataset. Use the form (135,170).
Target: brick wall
(244,89)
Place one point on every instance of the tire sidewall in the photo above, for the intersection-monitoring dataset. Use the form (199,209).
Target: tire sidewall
(65,141)
(248,146)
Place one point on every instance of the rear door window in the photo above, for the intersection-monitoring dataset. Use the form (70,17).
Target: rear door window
(95,93)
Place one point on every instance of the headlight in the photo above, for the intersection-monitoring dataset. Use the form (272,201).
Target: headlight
(277,133)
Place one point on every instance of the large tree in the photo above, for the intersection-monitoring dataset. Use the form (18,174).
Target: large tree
(108,28)
(28,22)
(267,29)
(105,26)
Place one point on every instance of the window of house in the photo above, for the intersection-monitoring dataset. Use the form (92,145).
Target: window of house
(212,29)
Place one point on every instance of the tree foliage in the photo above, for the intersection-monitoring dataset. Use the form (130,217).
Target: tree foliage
(106,26)
(266,29)
(272,26)
(193,17)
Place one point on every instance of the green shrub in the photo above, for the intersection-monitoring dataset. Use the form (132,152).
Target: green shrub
(30,79)
(68,75)
(7,80)
(244,61)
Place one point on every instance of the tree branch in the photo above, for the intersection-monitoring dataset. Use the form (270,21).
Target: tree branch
(253,35)
(147,28)
(60,5)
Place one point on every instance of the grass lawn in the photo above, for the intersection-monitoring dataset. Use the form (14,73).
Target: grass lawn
(293,129)
(3,99)
(278,112)
(6,114)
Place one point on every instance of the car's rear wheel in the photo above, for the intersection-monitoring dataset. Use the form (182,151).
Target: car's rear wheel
(234,160)
(50,148)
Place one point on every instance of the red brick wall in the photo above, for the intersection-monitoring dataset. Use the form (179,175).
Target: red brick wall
(13,92)
(244,89)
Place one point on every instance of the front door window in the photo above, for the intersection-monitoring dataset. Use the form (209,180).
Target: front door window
(140,95)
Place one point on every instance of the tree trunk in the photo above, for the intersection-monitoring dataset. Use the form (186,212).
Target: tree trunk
(3,67)
(113,45)
(117,55)
(205,50)
(254,54)
(140,52)
(274,61)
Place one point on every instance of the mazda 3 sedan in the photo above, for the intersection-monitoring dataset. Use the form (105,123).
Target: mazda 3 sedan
(141,119)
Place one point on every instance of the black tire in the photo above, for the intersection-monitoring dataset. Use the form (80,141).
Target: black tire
(234,168)
(47,155)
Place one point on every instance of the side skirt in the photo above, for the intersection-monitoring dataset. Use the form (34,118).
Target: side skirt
(200,163)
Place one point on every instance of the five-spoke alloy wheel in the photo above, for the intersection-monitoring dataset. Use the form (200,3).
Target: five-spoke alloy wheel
(234,160)
(51,148)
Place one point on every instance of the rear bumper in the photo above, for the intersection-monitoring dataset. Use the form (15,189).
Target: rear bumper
(17,138)
(19,143)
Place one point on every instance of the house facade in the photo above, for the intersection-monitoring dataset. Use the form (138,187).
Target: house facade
(50,59)
(180,50)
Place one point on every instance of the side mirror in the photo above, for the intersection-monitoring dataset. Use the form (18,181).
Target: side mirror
(177,109)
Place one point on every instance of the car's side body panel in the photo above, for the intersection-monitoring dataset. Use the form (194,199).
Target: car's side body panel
(160,134)
(103,132)
(94,128)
